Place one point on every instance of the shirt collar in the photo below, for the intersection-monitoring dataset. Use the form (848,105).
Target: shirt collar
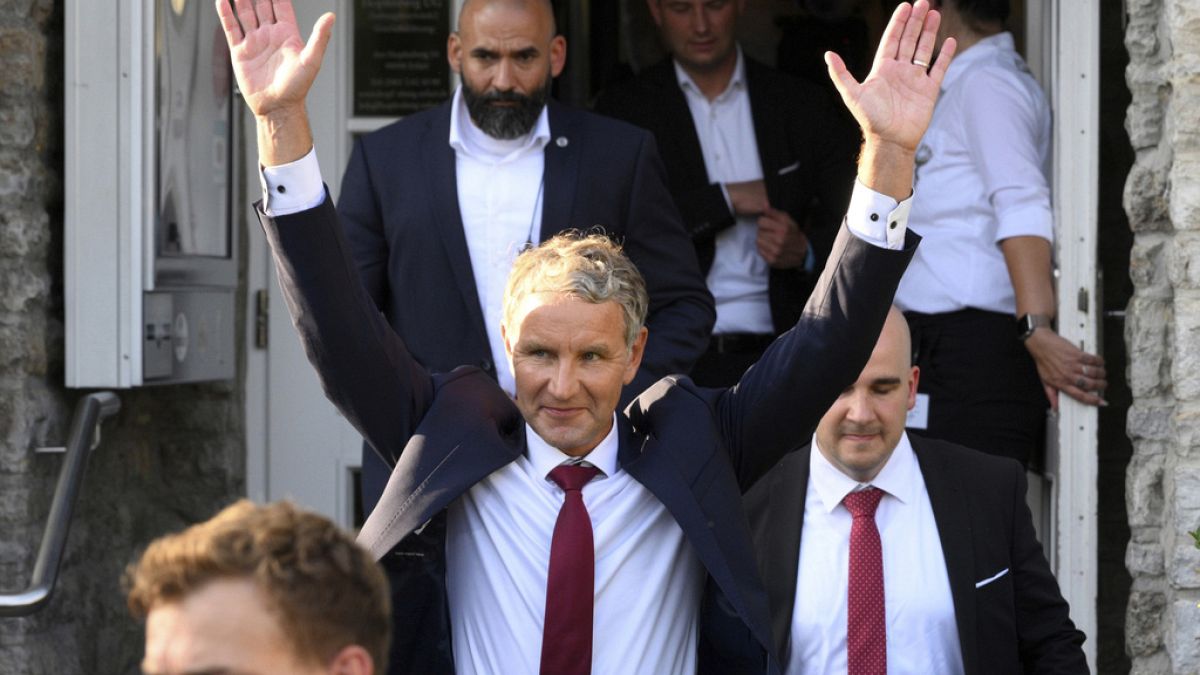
(736,83)
(470,140)
(546,457)
(1000,42)
(899,477)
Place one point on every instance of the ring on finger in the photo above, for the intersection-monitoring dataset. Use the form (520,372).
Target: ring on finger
(919,62)
(1079,383)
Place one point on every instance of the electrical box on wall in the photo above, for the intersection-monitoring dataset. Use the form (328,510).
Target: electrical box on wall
(150,256)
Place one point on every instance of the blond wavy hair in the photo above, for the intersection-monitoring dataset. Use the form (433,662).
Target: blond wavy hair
(590,267)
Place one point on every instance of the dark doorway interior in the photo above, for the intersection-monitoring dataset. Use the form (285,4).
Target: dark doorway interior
(1115,241)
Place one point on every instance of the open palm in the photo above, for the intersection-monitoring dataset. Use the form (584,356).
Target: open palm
(895,102)
(273,66)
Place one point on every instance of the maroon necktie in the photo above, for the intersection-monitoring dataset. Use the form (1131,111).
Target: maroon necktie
(866,631)
(567,634)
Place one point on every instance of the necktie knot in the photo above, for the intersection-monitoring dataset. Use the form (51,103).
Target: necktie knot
(864,502)
(572,477)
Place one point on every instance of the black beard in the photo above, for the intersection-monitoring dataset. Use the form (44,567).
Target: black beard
(505,122)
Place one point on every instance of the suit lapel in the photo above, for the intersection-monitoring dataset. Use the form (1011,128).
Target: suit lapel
(439,159)
(684,143)
(779,549)
(951,512)
(655,468)
(767,124)
(435,468)
(561,170)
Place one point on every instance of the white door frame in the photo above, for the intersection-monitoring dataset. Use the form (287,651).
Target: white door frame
(1063,38)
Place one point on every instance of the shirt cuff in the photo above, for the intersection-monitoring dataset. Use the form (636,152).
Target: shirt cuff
(728,201)
(877,218)
(292,187)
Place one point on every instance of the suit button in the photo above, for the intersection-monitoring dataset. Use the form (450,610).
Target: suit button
(486,365)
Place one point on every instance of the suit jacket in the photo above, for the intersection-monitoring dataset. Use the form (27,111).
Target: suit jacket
(695,449)
(1018,623)
(807,146)
(399,206)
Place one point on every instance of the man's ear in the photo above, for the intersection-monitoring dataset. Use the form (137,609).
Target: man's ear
(636,350)
(454,53)
(912,387)
(504,338)
(352,660)
(655,12)
(558,55)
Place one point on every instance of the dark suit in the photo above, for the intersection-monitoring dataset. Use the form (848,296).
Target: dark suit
(806,146)
(399,205)
(695,449)
(1018,623)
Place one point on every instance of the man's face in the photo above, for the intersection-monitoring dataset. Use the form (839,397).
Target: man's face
(862,428)
(507,55)
(698,33)
(570,361)
(223,627)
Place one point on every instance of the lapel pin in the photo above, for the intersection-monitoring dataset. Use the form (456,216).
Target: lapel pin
(561,141)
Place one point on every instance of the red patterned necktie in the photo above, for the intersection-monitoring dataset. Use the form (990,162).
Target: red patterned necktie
(567,633)
(866,630)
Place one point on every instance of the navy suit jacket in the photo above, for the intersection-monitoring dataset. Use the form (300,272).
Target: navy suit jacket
(1018,623)
(399,205)
(695,449)
(806,145)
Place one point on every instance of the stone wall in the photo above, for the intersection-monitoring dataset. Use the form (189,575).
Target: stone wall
(173,455)
(1162,199)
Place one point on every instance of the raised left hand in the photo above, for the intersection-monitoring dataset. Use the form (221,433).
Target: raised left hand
(894,104)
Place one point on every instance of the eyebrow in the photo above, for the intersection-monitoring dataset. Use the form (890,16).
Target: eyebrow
(885,380)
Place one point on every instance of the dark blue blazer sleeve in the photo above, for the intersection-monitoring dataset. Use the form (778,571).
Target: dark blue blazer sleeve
(364,367)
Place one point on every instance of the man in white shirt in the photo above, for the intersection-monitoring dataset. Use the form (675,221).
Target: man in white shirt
(759,164)
(466,527)
(980,294)
(953,582)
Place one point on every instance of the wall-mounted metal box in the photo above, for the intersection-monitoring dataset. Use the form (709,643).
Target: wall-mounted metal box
(150,260)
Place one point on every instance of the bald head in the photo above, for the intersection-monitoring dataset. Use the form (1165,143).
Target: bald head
(895,333)
(540,11)
(863,426)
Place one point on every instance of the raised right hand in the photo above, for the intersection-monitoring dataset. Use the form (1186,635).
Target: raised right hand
(274,67)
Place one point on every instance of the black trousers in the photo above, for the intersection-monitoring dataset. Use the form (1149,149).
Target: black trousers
(983,387)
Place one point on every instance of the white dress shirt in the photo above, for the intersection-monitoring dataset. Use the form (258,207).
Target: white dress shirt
(500,194)
(738,276)
(648,579)
(982,172)
(922,636)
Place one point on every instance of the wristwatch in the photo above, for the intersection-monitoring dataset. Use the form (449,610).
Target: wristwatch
(1031,322)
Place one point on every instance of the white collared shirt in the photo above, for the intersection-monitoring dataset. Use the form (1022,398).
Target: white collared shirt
(982,177)
(738,276)
(500,195)
(922,636)
(648,579)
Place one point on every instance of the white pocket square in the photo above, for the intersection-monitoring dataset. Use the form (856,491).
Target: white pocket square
(789,168)
(997,575)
